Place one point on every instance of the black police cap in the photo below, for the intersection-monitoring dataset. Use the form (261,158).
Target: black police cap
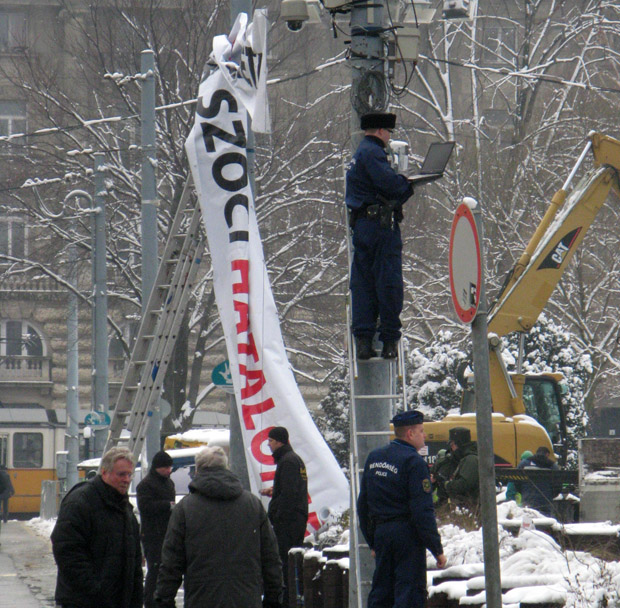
(408,418)
(378,120)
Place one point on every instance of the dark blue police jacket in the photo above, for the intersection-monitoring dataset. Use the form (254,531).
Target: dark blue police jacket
(370,174)
(396,485)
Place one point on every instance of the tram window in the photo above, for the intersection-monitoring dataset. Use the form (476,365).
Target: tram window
(27,450)
(4,442)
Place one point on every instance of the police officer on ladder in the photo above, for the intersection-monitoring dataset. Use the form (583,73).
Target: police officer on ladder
(396,516)
(374,195)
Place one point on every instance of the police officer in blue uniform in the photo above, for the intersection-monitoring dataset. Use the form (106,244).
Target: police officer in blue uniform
(397,518)
(375,194)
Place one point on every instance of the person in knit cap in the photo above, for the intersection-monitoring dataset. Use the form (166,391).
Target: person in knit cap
(156,497)
(288,508)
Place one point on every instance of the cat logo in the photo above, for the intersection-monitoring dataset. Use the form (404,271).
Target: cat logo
(558,254)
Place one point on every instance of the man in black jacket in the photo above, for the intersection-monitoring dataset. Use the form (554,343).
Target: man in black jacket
(219,539)
(155,494)
(96,540)
(288,509)
(6,491)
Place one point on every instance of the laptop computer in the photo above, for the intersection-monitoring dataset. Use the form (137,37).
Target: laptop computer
(434,163)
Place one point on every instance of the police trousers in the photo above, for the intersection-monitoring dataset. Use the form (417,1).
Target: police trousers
(399,580)
(376,280)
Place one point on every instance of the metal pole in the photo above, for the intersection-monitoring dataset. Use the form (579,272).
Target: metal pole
(149,217)
(377,376)
(484,426)
(72,438)
(371,415)
(100,367)
(238,462)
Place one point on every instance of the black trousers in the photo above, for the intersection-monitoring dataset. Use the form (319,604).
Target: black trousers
(289,534)
(152,553)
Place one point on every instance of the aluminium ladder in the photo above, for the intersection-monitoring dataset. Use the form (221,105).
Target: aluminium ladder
(362,577)
(161,320)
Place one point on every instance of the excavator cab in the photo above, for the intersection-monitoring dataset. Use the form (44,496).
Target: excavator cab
(542,398)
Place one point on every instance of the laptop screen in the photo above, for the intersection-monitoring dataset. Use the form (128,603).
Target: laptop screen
(437,157)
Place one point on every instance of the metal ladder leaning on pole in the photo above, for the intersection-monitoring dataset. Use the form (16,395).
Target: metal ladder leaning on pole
(157,334)
(358,453)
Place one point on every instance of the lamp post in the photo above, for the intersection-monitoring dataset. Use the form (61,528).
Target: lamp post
(72,438)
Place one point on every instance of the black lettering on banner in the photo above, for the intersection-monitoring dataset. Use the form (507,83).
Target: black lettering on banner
(233,201)
(230,158)
(210,131)
(216,102)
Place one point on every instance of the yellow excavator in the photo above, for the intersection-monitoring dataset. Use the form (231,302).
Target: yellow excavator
(527,409)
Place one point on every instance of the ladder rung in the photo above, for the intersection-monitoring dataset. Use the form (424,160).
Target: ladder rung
(123,413)
(388,396)
(372,433)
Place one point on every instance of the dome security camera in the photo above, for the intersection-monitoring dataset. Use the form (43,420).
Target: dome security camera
(295,13)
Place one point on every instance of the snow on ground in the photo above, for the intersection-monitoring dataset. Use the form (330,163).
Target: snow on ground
(530,557)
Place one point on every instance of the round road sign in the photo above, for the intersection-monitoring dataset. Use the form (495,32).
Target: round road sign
(465,264)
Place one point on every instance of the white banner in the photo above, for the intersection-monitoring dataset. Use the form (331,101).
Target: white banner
(265,389)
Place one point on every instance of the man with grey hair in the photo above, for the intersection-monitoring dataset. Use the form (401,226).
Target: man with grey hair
(220,540)
(96,540)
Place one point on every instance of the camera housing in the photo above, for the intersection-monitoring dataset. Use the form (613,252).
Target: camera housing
(295,13)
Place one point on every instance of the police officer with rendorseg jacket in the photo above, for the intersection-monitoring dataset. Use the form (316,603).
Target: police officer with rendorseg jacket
(375,194)
(397,518)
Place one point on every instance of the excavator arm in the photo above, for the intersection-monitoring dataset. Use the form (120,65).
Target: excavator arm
(570,214)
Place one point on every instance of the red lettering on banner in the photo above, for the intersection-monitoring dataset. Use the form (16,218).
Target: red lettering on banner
(251,388)
(249,348)
(313,520)
(267,475)
(243,267)
(244,321)
(255,447)
(253,410)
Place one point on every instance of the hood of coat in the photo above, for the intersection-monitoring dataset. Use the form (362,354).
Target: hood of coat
(216,482)
(466,449)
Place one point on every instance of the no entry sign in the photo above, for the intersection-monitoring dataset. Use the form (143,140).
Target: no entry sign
(465,264)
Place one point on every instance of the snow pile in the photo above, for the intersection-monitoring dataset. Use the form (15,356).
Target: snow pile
(533,556)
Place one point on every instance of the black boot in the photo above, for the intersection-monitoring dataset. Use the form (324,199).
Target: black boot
(390,350)
(363,347)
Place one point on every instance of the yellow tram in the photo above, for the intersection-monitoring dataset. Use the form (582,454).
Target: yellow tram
(29,440)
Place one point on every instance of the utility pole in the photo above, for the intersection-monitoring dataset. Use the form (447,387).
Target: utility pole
(484,429)
(100,319)
(72,442)
(149,217)
(238,463)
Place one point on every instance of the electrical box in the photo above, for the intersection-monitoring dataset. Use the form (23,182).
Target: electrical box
(61,464)
(407,43)
(399,153)
(457,9)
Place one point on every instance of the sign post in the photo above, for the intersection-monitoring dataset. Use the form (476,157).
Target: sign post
(469,299)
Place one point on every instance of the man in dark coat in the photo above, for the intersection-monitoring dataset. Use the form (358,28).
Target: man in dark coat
(96,540)
(155,494)
(539,496)
(288,508)
(220,540)
(463,486)
(6,491)
(375,194)
(396,516)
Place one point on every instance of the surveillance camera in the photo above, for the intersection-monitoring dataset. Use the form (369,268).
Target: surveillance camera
(294,12)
